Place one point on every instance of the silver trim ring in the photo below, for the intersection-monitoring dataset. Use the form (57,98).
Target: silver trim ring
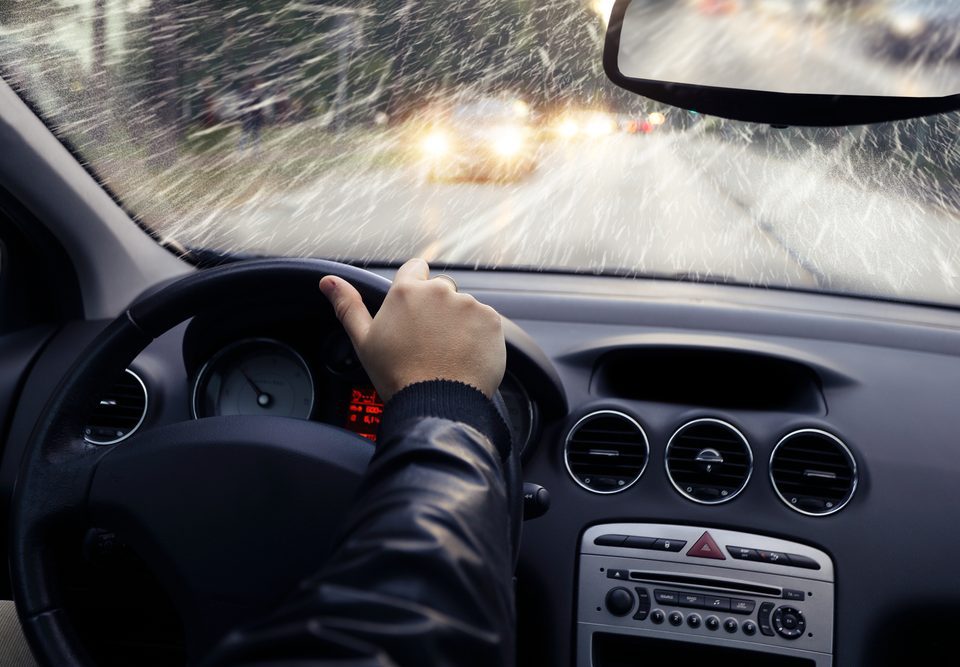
(590,416)
(239,343)
(531,409)
(843,447)
(666,461)
(449,279)
(143,416)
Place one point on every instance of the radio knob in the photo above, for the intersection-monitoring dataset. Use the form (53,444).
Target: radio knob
(789,622)
(619,601)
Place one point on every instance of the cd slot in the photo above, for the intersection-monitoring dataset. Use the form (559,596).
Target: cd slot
(706,583)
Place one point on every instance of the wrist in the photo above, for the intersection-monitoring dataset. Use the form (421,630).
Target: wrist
(447,399)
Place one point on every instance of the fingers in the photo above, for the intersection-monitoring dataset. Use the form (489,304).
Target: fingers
(415,269)
(348,305)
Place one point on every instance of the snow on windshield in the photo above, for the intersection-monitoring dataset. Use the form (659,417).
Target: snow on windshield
(484,134)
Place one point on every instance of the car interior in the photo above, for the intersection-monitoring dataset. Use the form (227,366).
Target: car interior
(715,469)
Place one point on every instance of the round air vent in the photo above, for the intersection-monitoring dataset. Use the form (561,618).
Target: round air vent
(119,413)
(606,451)
(709,461)
(813,472)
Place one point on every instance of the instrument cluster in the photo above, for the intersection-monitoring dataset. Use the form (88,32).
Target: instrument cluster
(303,370)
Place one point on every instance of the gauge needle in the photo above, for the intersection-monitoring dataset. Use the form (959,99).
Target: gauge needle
(263,398)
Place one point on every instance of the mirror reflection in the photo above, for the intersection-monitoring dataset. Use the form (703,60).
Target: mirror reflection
(898,48)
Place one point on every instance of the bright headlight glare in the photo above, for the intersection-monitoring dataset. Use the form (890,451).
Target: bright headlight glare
(507,141)
(600,126)
(436,143)
(567,128)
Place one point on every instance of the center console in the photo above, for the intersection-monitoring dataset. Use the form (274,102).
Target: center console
(689,593)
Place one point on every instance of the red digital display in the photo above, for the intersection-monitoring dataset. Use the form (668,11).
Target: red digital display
(364,412)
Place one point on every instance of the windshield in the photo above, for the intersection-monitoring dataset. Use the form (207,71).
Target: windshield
(484,134)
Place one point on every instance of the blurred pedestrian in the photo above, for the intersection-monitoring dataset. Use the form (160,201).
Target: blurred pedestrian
(252,118)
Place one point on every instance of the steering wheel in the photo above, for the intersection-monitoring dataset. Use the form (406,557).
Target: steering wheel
(229,513)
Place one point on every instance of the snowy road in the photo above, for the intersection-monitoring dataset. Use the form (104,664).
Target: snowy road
(682,203)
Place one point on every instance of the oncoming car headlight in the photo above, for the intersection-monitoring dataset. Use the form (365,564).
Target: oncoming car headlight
(507,141)
(435,144)
(568,128)
(600,125)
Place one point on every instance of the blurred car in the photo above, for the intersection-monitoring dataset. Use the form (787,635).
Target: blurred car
(645,124)
(484,139)
(918,30)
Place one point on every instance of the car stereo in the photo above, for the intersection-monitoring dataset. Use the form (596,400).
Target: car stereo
(643,584)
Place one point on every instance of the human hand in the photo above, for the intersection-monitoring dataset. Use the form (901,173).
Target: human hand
(425,330)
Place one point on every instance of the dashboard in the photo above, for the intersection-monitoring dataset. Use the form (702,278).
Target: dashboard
(781,430)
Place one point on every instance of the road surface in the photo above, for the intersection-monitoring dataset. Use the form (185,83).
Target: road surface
(679,203)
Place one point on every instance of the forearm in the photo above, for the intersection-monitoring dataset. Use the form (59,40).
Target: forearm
(422,573)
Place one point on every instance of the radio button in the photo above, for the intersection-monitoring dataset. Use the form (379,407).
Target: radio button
(619,601)
(712,623)
(789,622)
(691,600)
(643,596)
(731,625)
(666,597)
(749,628)
(763,618)
(657,616)
(742,606)
(676,618)
(693,620)
(710,602)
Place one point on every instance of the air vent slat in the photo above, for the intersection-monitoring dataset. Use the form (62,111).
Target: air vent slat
(710,480)
(606,451)
(813,472)
(118,413)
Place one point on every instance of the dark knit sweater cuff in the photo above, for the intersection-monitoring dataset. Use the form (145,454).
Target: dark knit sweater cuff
(446,399)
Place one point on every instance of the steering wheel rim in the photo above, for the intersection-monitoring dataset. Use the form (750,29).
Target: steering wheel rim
(58,468)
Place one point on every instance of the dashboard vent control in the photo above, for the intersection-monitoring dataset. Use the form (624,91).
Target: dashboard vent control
(709,461)
(813,472)
(606,451)
(119,412)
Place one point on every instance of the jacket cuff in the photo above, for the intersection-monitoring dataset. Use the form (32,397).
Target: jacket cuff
(446,399)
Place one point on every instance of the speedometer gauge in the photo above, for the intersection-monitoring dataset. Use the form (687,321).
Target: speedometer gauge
(257,376)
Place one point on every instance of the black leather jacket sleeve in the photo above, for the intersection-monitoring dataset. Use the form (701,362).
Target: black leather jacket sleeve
(423,573)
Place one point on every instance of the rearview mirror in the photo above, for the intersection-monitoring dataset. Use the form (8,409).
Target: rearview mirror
(790,62)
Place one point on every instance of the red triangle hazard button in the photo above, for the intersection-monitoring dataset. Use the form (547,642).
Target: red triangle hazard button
(705,547)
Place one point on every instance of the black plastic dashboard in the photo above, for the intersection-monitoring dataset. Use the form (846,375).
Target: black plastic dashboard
(883,378)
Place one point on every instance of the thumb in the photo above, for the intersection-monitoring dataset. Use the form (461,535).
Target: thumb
(348,305)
